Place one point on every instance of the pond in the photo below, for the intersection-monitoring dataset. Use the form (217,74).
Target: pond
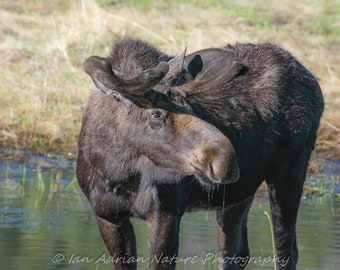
(46,222)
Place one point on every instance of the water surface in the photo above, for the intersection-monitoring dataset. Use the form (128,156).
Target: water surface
(46,223)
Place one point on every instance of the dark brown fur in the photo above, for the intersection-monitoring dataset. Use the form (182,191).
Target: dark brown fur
(262,102)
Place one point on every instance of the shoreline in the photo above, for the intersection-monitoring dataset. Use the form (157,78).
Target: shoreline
(323,174)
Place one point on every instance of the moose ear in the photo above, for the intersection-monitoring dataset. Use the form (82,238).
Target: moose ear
(195,66)
(105,78)
(100,71)
(214,66)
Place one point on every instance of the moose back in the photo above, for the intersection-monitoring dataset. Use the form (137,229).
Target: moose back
(161,133)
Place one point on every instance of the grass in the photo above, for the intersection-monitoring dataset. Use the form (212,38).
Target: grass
(322,185)
(43,44)
(37,180)
(270,222)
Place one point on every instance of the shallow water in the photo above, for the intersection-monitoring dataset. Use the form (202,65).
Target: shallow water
(46,223)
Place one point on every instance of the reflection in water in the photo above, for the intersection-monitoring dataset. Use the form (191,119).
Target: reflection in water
(46,223)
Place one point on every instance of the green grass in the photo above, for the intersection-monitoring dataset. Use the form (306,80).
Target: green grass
(324,186)
(38,185)
(43,44)
(270,222)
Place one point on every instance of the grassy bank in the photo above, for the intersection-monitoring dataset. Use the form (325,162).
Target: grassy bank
(43,44)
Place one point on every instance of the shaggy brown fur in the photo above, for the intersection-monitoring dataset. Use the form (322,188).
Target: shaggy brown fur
(244,112)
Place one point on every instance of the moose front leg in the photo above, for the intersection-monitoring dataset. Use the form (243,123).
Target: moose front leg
(232,235)
(164,240)
(164,223)
(120,241)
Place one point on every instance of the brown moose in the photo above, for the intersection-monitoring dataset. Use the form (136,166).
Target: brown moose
(164,133)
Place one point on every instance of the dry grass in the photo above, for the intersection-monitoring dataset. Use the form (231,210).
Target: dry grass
(43,44)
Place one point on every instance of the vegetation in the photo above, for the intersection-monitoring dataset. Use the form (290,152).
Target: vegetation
(43,44)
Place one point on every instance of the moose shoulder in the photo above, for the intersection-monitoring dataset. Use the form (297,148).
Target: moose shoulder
(164,130)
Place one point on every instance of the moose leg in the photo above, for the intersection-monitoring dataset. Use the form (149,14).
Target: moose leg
(164,240)
(164,226)
(232,235)
(120,241)
(285,189)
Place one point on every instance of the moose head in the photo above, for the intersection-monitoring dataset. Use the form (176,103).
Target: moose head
(158,121)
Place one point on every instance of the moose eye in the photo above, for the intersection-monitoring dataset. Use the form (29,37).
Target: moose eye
(157,119)
(156,115)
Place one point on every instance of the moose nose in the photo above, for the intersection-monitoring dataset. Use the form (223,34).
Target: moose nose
(217,161)
(209,155)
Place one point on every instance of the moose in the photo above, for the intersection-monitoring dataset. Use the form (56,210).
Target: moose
(162,135)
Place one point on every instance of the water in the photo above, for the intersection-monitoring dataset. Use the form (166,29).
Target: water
(46,223)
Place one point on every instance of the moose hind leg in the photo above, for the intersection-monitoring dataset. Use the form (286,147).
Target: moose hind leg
(120,241)
(232,235)
(285,189)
